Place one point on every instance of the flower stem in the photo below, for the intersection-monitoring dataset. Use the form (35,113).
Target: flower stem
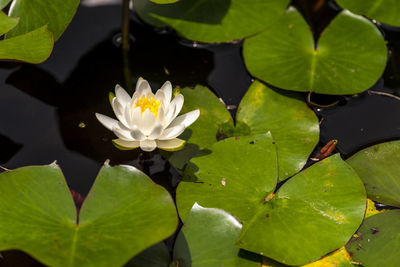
(126,46)
(125,25)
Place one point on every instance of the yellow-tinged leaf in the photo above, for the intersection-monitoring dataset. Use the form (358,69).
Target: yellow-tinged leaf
(371,209)
(339,257)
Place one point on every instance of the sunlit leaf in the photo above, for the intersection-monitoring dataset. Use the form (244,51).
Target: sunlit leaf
(124,213)
(312,214)
(36,13)
(378,166)
(385,11)
(6,23)
(338,258)
(208,239)
(230,19)
(293,125)
(377,242)
(349,57)
(32,47)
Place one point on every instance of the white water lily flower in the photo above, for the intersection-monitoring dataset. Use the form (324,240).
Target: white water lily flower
(147,120)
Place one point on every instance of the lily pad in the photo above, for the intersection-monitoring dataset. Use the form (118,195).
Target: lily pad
(349,57)
(123,210)
(37,44)
(378,167)
(312,214)
(36,13)
(294,126)
(208,239)
(4,3)
(377,242)
(385,11)
(337,258)
(203,132)
(7,23)
(230,19)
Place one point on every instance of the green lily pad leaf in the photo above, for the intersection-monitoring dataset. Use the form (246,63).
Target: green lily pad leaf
(4,3)
(385,11)
(378,167)
(7,23)
(203,132)
(36,13)
(164,1)
(293,124)
(230,20)
(123,210)
(377,242)
(349,58)
(155,256)
(208,239)
(37,46)
(312,214)
(238,168)
(295,128)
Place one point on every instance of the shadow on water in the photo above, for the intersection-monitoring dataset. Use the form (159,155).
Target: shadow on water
(8,148)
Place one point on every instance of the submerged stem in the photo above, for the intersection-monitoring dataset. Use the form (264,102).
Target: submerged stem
(125,25)
(126,46)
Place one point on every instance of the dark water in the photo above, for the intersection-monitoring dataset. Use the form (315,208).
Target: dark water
(47,110)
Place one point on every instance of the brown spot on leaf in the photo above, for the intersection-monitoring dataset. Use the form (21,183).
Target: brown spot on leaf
(267,215)
(251,143)
(374,230)
(237,138)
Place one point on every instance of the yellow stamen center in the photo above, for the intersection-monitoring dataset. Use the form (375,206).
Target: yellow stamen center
(148,103)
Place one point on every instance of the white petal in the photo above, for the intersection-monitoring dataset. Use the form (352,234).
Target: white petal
(177,102)
(119,111)
(170,145)
(137,134)
(146,124)
(126,144)
(168,116)
(160,97)
(108,122)
(128,116)
(148,145)
(136,116)
(123,134)
(186,119)
(156,132)
(142,87)
(122,96)
(167,89)
(160,115)
(172,132)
